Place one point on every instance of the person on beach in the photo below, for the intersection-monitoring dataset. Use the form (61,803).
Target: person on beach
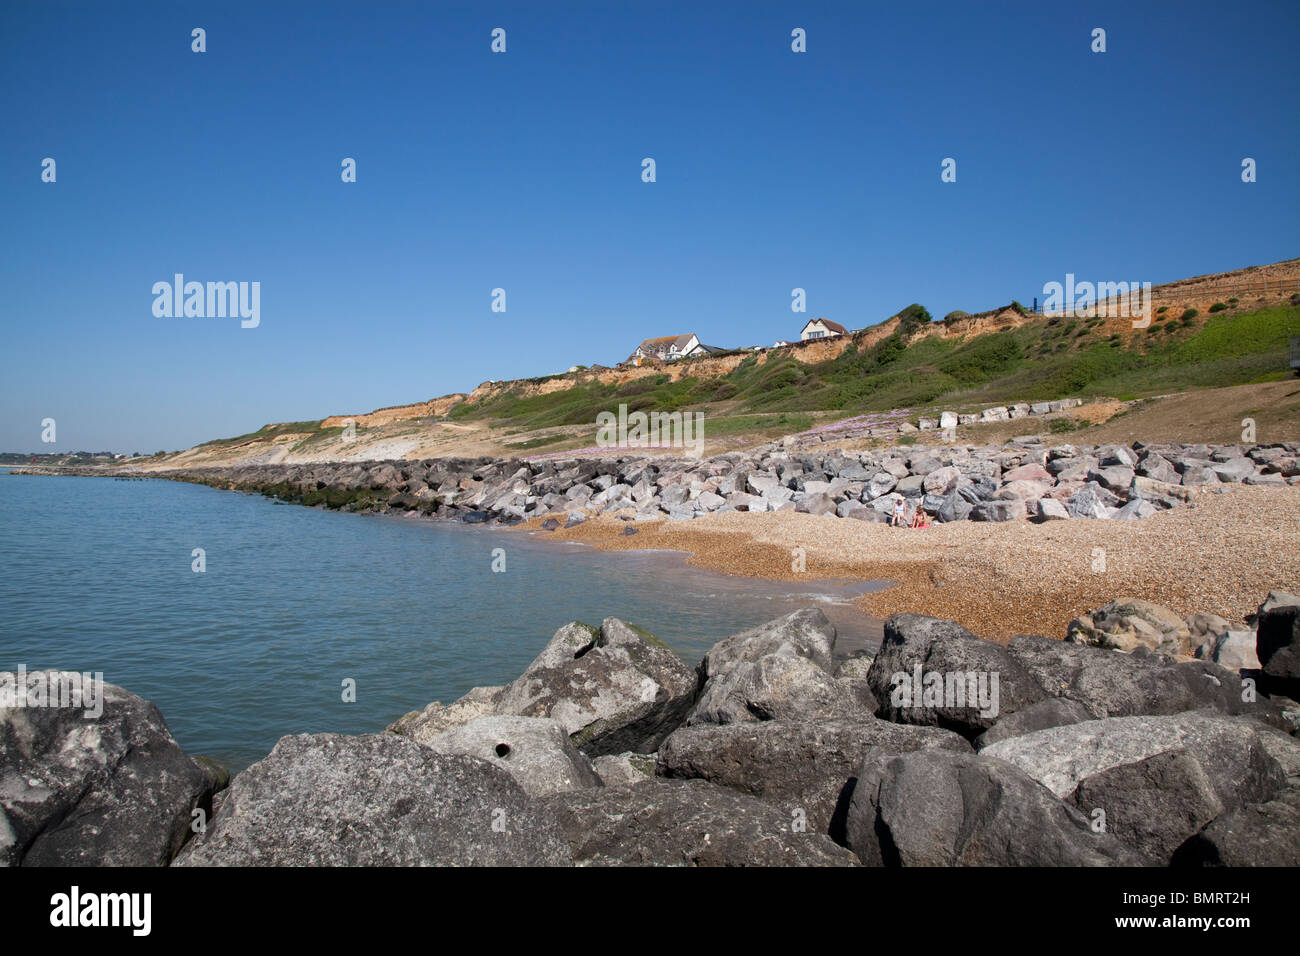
(900,513)
(920,519)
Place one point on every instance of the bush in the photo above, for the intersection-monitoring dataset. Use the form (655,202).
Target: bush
(1233,301)
(1190,314)
(1218,307)
(955,315)
(1163,308)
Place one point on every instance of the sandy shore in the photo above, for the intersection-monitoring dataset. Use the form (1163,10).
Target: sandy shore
(1222,554)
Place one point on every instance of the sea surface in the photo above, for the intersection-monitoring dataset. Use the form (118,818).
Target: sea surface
(97,574)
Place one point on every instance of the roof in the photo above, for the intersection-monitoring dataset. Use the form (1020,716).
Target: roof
(833,326)
(664,341)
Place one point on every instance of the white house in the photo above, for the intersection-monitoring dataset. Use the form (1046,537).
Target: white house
(670,347)
(822,329)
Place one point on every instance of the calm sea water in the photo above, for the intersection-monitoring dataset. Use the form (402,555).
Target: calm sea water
(96,575)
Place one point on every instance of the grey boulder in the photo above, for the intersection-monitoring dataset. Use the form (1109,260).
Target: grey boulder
(954,662)
(108,790)
(809,765)
(624,690)
(375,800)
(687,823)
(938,808)
(536,751)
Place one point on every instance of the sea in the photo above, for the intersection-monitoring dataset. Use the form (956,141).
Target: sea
(244,619)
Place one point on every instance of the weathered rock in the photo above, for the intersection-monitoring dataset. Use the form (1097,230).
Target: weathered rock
(1228,751)
(804,633)
(1002,510)
(1278,645)
(809,766)
(1260,834)
(1128,623)
(1049,509)
(108,789)
(1052,712)
(623,769)
(1114,684)
(917,645)
(627,691)
(536,751)
(686,823)
(375,800)
(938,808)
(423,726)
(775,687)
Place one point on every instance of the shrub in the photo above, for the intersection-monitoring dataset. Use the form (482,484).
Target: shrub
(1233,301)
(1163,308)
(1190,314)
(1218,307)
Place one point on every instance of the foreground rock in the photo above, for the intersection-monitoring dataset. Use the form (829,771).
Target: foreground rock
(937,673)
(938,808)
(1155,780)
(804,766)
(375,800)
(622,690)
(1114,684)
(536,752)
(107,790)
(686,823)
(782,670)
(1129,623)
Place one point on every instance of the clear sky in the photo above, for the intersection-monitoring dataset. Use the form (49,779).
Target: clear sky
(523,171)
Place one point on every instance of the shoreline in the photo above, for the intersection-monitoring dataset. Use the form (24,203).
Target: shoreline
(1012,577)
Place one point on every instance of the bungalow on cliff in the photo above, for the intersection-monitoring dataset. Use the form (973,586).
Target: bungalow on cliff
(822,329)
(670,347)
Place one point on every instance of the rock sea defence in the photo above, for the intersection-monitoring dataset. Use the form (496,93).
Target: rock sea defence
(1025,478)
(942,750)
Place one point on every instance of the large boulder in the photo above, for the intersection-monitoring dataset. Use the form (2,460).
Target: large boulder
(1052,712)
(436,718)
(1128,623)
(809,765)
(375,800)
(1113,684)
(937,673)
(1157,780)
(687,823)
(536,751)
(1260,834)
(624,690)
(939,808)
(98,783)
(774,687)
(1277,641)
(804,633)
(617,770)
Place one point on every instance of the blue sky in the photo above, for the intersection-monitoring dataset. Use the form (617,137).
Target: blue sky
(522,170)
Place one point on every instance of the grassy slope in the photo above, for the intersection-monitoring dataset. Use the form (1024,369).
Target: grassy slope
(1052,358)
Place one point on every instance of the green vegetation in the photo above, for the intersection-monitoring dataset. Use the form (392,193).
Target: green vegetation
(1218,307)
(1039,361)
